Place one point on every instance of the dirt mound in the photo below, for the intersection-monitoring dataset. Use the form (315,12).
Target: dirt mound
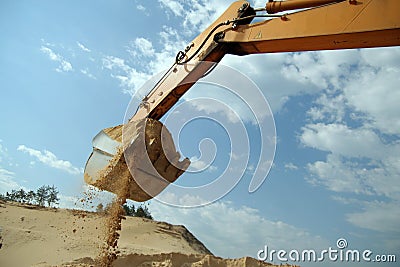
(174,259)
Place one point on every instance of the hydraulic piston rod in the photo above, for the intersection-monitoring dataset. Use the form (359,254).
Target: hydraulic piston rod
(279,6)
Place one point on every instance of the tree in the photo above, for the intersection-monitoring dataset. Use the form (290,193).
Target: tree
(13,195)
(45,194)
(143,212)
(41,195)
(129,210)
(21,195)
(30,197)
(52,195)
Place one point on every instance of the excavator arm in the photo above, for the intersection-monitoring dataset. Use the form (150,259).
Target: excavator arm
(309,25)
(327,25)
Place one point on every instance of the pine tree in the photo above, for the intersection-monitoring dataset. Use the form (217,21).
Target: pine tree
(21,195)
(13,196)
(41,195)
(52,195)
(30,197)
(129,210)
(143,212)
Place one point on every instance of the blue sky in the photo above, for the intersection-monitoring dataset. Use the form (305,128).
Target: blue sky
(68,69)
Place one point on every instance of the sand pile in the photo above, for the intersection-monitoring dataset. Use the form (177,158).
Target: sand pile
(42,237)
(173,260)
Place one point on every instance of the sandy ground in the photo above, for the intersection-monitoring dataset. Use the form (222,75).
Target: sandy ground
(35,236)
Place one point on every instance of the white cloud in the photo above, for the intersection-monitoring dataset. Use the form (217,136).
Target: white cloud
(7,182)
(198,14)
(141,8)
(47,43)
(321,69)
(383,59)
(82,47)
(71,202)
(339,176)
(266,71)
(248,231)
(171,41)
(378,216)
(7,177)
(342,140)
(49,159)
(64,65)
(362,83)
(148,61)
(197,165)
(355,121)
(373,88)
(130,79)
(362,91)
(291,166)
(110,62)
(174,6)
(358,161)
(200,101)
(6,173)
(329,108)
(3,152)
(375,178)
(142,47)
(88,74)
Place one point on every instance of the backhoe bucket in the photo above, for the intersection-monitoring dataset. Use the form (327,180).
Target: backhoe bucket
(137,160)
(104,150)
